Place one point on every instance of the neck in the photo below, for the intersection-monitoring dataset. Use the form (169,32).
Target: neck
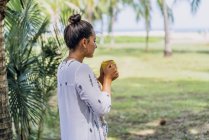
(75,55)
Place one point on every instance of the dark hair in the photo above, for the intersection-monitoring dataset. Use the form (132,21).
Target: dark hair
(76,30)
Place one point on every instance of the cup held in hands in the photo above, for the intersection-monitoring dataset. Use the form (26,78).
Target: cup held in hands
(105,63)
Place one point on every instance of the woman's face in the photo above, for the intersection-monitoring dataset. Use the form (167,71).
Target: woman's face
(91,45)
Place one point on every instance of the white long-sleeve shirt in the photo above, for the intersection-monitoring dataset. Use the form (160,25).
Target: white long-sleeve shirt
(81,102)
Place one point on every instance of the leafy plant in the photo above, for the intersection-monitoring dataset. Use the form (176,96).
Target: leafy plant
(24,25)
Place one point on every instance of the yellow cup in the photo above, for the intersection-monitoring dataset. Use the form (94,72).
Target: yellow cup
(105,63)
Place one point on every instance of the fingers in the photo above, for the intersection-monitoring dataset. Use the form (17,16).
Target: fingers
(116,75)
(111,70)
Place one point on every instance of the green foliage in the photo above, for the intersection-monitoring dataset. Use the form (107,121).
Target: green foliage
(195,5)
(48,61)
(31,76)
(169,10)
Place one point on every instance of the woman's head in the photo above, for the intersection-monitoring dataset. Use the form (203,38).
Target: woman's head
(79,34)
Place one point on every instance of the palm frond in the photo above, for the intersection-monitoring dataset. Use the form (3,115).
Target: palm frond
(169,10)
(195,5)
(24,25)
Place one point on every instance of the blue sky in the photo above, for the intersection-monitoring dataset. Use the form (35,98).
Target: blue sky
(183,19)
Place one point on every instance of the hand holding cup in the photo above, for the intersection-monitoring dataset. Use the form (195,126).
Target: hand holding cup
(109,69)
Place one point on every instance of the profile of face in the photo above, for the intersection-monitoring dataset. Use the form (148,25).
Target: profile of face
(90,45)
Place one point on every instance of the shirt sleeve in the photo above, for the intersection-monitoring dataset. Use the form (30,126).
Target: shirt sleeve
(90,92)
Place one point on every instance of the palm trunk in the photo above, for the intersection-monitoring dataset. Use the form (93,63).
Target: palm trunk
(167,49)
(110,26)
(101,30)
(112,37)
(147,37)
(5,119)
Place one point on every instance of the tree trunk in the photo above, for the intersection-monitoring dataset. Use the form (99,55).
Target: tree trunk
(101,30)
(167,49)
(110,26)
(147,37)
(5,119)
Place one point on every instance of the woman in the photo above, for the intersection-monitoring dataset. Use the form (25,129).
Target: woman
(81,101)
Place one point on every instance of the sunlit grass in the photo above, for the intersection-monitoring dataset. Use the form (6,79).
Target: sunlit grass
(193,65)
(128,39)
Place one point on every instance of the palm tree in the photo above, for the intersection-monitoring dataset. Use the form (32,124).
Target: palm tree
(113,7)
(101,8)
(58,12)
(167,49)
(5,119)
(147,16)
(167,15)
(143,9)
(24,25)
(88,8)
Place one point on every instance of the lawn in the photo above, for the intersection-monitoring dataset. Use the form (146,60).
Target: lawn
(155,98)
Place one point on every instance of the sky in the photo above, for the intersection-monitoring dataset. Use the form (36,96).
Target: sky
(183,18)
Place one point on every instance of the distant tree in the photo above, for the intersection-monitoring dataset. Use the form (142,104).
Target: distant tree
(147,16)
(88,9)
(113,7)
(193,3)
(143,10)
(101,8)
(167,14)
(58,11)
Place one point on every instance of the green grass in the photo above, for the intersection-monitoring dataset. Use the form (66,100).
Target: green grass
(138,101)
(129,39)
(152,88)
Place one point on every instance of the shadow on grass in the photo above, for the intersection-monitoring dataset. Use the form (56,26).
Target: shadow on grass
(191,51)
(137,112)
(188,126)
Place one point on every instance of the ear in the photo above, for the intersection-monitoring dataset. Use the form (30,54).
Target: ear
(84,42)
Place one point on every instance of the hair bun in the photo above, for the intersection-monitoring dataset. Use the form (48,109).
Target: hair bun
(74,19)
